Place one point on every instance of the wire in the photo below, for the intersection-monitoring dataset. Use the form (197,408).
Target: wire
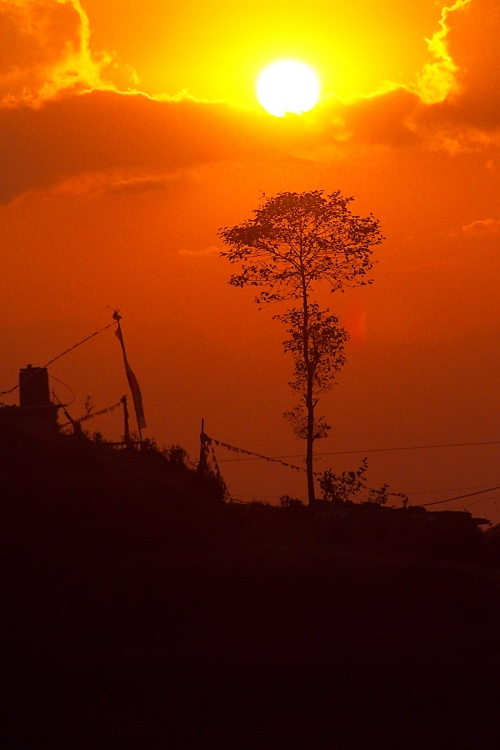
(483,500)
(448,489)
(460,497)
(96,333)
(371,450)
(257,457)
(412,448)
(66,386)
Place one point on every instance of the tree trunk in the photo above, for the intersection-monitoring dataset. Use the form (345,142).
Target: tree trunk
(309,398)
(310,442)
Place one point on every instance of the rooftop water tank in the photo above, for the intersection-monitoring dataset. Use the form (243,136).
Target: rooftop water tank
(34,386)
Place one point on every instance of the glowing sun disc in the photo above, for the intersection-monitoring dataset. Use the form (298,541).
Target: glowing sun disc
(288,86)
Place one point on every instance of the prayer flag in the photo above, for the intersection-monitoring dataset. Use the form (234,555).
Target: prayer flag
(133,384)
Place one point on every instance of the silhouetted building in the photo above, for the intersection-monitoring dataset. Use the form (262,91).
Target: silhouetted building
(36,417)
(34,386)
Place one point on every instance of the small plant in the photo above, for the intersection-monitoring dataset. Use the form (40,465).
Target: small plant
(89,406)
(148,445)
(98,437)
(177,457)
(290,502)
(340,488)
(378,497)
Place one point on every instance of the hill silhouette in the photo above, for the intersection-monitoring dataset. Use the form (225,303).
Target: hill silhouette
(143,608)
(71,492)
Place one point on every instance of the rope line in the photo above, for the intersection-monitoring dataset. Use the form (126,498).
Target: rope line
(258,456)
(210,441)
(94,414)
(96,333)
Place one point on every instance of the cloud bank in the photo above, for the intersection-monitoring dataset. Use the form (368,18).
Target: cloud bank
(62,117)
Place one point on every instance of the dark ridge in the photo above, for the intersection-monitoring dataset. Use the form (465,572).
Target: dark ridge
(143,609)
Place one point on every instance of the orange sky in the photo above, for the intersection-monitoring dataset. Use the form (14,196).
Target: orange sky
(130,132)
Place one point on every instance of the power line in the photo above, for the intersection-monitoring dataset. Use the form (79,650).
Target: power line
(372,450)
(427,492)
(483,500)
(258,457)
(460,497)
(447,489)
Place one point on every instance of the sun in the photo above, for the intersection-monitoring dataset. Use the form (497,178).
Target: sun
(288,86)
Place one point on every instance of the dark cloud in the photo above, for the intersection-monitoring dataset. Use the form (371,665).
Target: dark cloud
(474,45)
(131,134)
(387,118)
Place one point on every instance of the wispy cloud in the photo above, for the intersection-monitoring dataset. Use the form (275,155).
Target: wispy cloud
(482,228)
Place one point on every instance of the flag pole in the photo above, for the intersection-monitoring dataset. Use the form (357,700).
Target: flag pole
(126,431)
(202,464)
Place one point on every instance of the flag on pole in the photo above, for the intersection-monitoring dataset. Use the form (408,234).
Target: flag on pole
(132,380)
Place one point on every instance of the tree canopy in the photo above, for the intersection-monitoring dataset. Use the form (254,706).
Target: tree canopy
(296,240)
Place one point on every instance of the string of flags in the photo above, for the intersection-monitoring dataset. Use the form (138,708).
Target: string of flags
(211,441)
(208,442)
(94,414)
(214,459)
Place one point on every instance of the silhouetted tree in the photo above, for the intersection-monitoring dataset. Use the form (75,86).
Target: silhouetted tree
(295,242)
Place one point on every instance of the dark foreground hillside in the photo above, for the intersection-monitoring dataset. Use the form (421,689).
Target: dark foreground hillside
(141,611)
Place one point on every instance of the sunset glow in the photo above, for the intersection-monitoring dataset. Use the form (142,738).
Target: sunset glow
(130,134)
(249,373)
